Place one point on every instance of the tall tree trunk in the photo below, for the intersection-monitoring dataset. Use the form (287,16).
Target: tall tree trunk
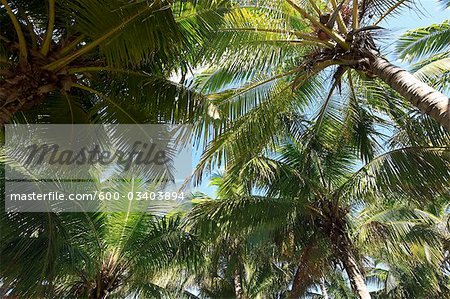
(237,273)
(238,291)
(353,271)
(304,275)
(427,99)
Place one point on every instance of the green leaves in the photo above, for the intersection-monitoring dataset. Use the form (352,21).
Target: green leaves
(144,39)
(240,215)
(415,44)
(73,251)
(429,47)
(68,255)
(121,96)
(121,30)
(418,173)
(377,10)
(407,242)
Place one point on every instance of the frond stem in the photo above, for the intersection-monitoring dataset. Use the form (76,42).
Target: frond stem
(281,31)
(336,37)
(341,25)
(388,12)
(355,17)
(92,45)
(51,24)
(23,55)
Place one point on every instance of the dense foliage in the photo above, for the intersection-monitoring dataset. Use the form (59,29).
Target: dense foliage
(336,168)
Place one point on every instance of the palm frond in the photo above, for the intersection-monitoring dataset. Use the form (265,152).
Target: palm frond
(228,217)
(416,43)
(419,172)
(380,9)
(435,71)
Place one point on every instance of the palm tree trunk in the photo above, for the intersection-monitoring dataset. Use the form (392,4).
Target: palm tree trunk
(427,99)
(354,273)
(303,275)
(238,291)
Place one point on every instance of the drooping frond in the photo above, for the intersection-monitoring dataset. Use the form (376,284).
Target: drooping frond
(418,257)
(417,43)
(238,215)
(405,227)
(257,121)
(374,11)
(420,172)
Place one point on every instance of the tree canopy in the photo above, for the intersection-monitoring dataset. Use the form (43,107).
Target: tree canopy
(331,164)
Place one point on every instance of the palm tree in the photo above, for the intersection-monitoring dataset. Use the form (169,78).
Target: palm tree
(272,49)
(310,188)
(423,272)
(101,249)
(77,60)
(250,121)
(238,263)
(253,119)
(95,255)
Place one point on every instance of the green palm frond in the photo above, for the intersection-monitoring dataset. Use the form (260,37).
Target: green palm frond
(420,172)
(43,246)
(119,25)
(150,99)
(435,70)
(70,253)
(255,122)
(239,215)
(58,109)
(146,37)
(411,128)
(121,33)
(362,118)
(338,287)
(419,42)
(380,9)
(401,226)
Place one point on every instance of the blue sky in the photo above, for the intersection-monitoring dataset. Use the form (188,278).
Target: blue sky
(428,12)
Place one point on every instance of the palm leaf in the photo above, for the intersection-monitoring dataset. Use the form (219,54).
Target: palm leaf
(395,173)
(419,42)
